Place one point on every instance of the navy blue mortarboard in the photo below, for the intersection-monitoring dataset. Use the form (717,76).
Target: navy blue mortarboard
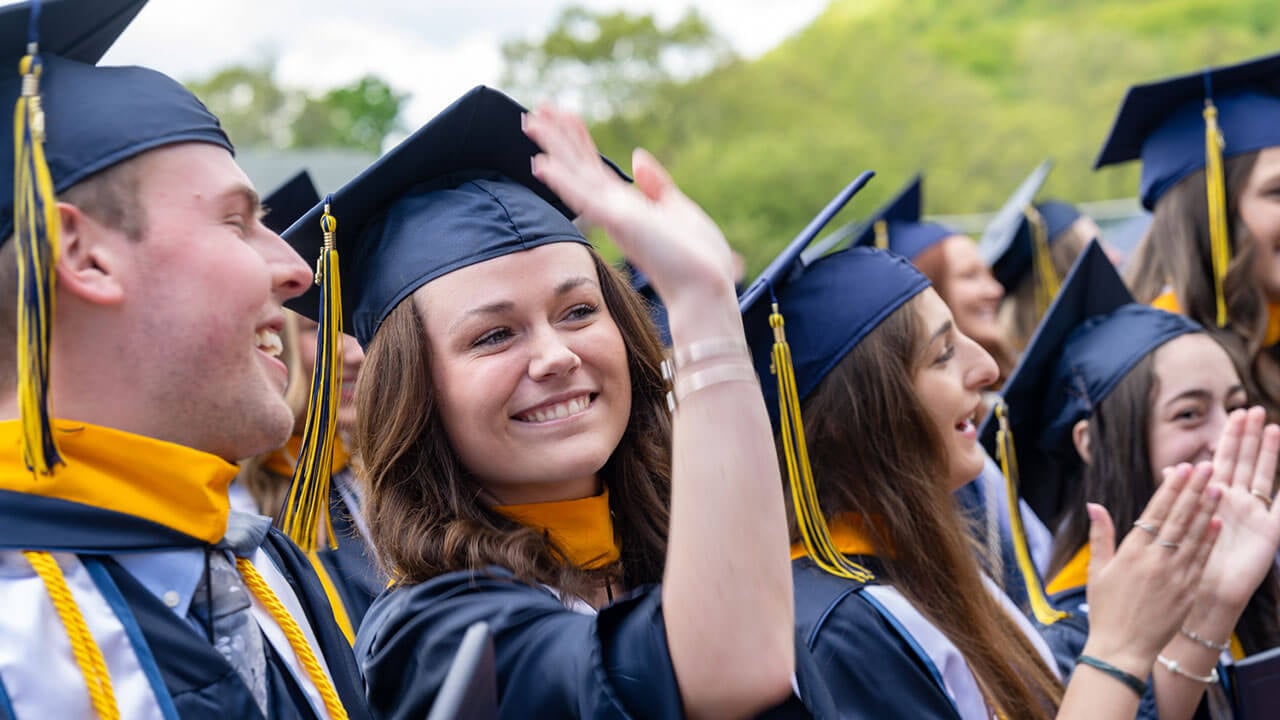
(1011,241)
(657,310)
(71,119)
(457,192)
(1058,217)
(290,201)
(896,225)
(1193,122)
(1090,338)
(830,304)
(1163,124)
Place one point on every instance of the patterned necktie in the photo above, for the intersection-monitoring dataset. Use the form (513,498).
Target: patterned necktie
(236,634)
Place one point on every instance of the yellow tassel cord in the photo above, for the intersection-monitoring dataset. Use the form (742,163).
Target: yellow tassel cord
(1046,278)
(1044,612)
(335,600)
(84,648)
(882,234)
(804,495)
(306,509)
(301,648)
(1216,190)
(36,231)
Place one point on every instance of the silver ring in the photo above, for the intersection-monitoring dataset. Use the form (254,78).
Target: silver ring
(1265,498)
(1165,543)
(1149,527)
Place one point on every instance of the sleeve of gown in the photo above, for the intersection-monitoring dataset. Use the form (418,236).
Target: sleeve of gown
(871,671)
(551,661)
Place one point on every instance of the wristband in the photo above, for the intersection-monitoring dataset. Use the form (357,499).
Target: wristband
(1131,681)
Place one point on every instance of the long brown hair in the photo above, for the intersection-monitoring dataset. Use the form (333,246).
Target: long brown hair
(877,454)
(1175,254)
(1019,315)
(422,505)
(932,262)
(1118,477)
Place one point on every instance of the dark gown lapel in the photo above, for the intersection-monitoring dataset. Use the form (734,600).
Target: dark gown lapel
(353,572)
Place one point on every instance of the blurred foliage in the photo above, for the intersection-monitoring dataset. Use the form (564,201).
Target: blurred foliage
(256,111)
(973,92)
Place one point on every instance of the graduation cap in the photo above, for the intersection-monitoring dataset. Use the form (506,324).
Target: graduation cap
(896,225)
(1090,338)
(657,310)
(72,119)
(1017,240)
(1058,217)
(458,191)
(830,304)
(1192,122)
(290,201)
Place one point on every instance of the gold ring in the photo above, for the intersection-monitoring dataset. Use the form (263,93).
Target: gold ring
(1265,498)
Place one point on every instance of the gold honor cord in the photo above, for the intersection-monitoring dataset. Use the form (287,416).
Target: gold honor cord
(804,495)
(36,231)
(1216,190)
(297,640)
(84,648)
(882,234)
(1044,612)
(1046,278)
(306,509)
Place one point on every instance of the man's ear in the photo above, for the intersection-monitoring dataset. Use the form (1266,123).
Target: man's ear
(89,264)
(1080,436)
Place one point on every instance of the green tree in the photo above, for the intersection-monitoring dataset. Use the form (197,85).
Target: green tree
(610,64)
(256,110)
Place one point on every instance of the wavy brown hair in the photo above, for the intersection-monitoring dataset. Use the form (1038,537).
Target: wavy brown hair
(1119,477)
(1018,313)
(1175,254)
(877,455)
(424,508)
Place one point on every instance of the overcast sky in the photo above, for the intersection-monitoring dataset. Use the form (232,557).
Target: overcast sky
(433,49)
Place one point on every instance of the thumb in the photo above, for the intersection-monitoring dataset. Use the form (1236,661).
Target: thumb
(1102,538)
(652,179)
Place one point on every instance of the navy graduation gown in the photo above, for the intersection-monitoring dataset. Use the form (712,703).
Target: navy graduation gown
(351,566)
(872,669)
(198,682)
(551,661)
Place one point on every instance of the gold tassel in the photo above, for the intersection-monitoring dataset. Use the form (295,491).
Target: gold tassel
(804,495)
(1216,190)
(1046,278)
(1043,611)
(882,234)
(36,230)
(306,509)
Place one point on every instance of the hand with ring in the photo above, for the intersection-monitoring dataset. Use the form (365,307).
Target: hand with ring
(1140,593)
(1244,465)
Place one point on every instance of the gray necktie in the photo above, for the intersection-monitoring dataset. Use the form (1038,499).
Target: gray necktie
(236,634)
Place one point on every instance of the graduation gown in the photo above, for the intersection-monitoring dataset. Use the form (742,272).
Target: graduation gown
(120,495)
(880,657)
(551,660)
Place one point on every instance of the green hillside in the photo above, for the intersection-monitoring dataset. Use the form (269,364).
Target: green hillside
(973,92)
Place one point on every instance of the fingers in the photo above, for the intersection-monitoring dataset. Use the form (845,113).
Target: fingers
(569,163)
(1176,527)
(1265,473)
(652,179)
(1192,543)
(1102,538)
(1228,449)
(1205,548)
(1250,442)
(1166,494)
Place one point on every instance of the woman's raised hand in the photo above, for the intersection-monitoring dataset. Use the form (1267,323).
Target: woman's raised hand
(1244,464)
(1140,593)
(660,230)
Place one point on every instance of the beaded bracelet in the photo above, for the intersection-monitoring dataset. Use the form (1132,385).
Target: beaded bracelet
(1192,635)
(1131,681)
(1173,667)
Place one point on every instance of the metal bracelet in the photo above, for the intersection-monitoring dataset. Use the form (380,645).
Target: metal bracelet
(1173,667)
(1193,635)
